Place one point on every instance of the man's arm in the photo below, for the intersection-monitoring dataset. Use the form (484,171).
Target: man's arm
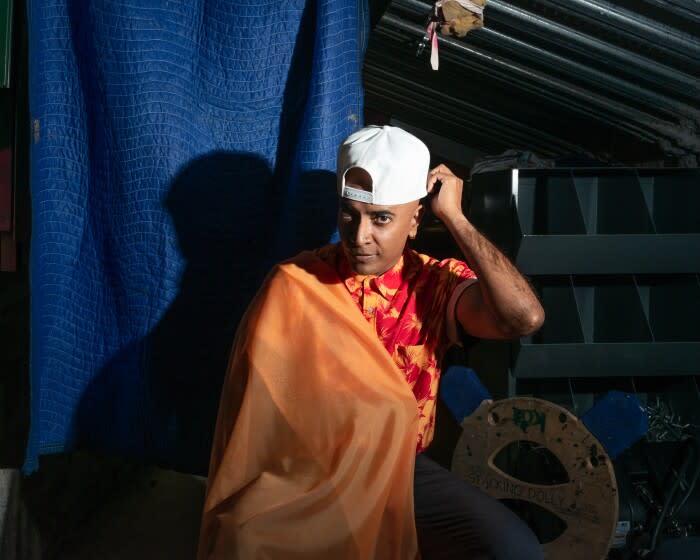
(501,305)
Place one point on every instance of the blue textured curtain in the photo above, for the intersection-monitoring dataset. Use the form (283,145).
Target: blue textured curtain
(179,148)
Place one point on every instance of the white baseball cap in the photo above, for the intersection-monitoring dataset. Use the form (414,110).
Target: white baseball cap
(397,162)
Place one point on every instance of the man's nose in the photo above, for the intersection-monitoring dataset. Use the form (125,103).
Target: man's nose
(363,232)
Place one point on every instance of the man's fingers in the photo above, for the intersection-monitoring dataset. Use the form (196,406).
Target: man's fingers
(440,176)
(433,178)
(444,175)
(442,168)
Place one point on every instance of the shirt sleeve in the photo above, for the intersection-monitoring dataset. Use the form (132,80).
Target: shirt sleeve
(462,277)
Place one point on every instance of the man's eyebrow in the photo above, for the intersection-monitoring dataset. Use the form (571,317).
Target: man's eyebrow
(383,213)
(350,209)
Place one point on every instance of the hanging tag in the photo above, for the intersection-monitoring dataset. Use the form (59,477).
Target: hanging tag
(432,33)
(434,60)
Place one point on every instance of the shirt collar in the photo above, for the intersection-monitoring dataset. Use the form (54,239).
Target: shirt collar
(386,284)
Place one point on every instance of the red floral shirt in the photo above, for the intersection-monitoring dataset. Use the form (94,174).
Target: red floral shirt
(408,307)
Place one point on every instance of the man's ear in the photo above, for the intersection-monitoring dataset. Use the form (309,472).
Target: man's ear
(415,220)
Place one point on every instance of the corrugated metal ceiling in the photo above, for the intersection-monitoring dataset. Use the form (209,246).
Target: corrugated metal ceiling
(616,80)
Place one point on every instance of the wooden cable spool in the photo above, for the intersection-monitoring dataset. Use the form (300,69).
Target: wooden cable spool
(587,502)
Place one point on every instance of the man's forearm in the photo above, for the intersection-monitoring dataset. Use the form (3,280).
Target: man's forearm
(506,293)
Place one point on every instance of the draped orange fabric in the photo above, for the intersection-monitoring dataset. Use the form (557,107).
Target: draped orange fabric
(315,440)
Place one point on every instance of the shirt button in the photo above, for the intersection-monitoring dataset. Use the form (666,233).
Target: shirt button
(370,310)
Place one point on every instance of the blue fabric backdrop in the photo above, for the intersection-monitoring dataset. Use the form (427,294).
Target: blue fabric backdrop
(179,149)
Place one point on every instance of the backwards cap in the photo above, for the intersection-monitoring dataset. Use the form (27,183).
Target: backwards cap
(397,162)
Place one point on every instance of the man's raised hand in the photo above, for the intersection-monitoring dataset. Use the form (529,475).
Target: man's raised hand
(445,201)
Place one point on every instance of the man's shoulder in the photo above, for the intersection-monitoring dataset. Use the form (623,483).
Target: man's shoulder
(317,263)
(328,253)
(431,265)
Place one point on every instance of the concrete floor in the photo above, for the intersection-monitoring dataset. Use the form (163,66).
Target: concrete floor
(157,516)
(88,506)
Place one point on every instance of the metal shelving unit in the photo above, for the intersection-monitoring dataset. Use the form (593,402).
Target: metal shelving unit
(592,221)
(614,254)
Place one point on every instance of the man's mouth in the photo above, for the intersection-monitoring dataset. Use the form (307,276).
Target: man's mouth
(362,257)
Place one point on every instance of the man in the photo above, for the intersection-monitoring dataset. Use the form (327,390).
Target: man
(330,395)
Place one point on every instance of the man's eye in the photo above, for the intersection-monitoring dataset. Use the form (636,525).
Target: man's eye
(382,219)
(345,217)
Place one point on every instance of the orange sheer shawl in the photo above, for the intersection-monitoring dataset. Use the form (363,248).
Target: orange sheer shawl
(315,440)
